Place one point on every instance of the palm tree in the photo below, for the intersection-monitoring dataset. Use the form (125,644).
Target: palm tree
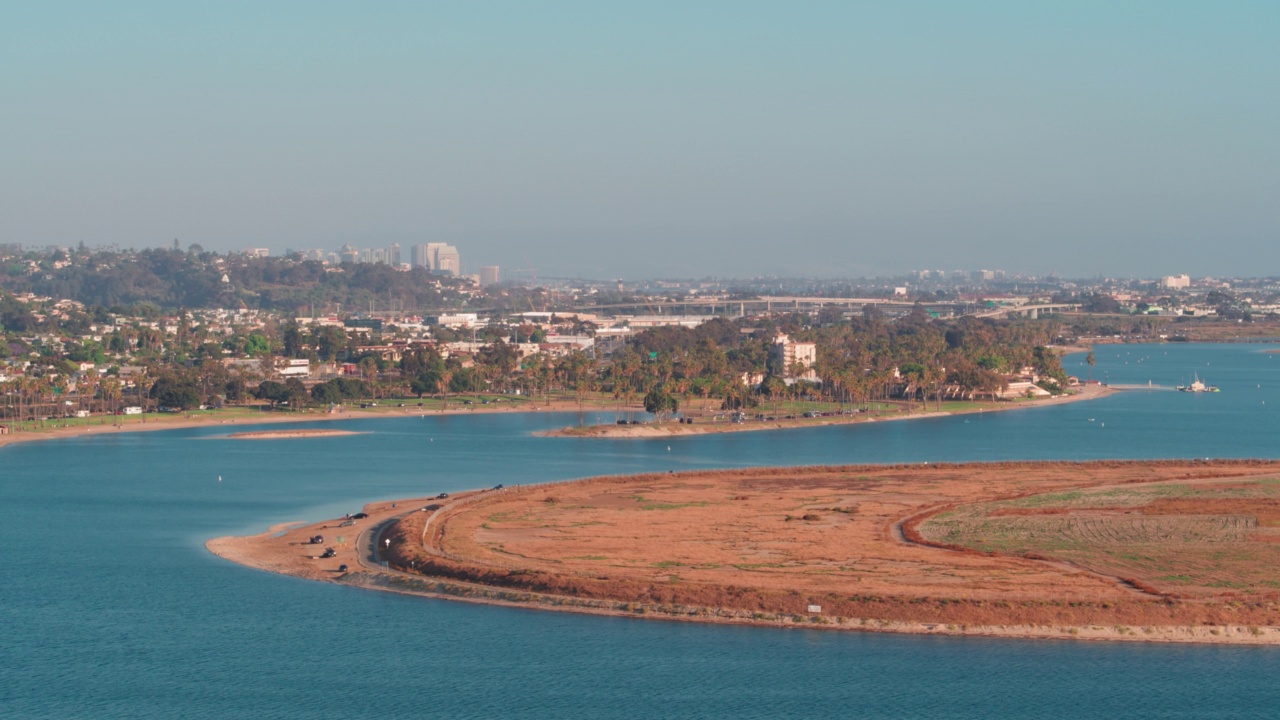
(446,377)
(88,385)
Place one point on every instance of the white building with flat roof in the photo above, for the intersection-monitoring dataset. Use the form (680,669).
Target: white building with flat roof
(796,355)
(453,320)
(296,367)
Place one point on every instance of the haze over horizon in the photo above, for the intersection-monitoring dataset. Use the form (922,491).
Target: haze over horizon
(664,140)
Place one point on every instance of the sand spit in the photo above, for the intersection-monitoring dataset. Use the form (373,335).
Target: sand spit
(831,548)
(278,434)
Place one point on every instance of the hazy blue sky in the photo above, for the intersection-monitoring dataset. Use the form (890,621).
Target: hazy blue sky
(656,138)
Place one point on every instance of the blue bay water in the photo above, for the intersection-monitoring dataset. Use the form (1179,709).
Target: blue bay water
(111,608)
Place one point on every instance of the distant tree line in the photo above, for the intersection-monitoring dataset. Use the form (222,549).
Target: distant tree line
(169,278)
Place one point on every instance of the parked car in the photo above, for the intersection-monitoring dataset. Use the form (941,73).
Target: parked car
(359,516)
(328,553)
(442,496)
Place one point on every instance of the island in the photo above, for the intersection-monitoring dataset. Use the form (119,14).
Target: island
(1173,551)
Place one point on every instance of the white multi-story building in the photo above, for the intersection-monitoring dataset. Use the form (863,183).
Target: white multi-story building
(1175,282)
(796,354)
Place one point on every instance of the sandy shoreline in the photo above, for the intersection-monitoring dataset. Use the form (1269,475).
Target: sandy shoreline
(177,421)
(358,548)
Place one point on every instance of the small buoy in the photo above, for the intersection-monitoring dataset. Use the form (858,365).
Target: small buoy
(219,478)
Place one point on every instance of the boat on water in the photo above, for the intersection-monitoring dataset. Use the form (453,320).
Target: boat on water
(1197,387)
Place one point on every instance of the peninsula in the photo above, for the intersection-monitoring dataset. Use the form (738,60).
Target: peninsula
(723,423)
(1170,551)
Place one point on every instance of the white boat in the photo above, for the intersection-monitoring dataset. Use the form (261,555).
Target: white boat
(1197,387)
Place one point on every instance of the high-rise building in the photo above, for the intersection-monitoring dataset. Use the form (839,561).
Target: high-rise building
(419,256)
(489,276)
(448,260)
(393,254)
(348,254)
(440,257)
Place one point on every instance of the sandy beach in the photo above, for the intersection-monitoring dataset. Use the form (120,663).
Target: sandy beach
(128,424)
(855,562)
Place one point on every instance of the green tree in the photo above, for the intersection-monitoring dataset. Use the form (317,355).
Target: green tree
(256,344)
(292,339)
(273,392)
(175,393)
(660,402)
(330,340)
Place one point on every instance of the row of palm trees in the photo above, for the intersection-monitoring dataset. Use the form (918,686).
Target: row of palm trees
(860,363)
(34,401)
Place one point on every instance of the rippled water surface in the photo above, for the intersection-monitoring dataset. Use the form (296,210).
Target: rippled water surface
(111,607)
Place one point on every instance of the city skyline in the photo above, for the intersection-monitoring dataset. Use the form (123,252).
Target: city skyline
(808,140)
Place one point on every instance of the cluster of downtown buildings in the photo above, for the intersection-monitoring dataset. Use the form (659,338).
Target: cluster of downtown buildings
(437,257)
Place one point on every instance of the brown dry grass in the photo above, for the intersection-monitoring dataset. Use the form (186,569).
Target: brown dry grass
(1203,539)
(778,540)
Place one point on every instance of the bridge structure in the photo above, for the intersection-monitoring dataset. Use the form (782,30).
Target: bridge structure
(739,307)
(742,307)
(1031,311)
